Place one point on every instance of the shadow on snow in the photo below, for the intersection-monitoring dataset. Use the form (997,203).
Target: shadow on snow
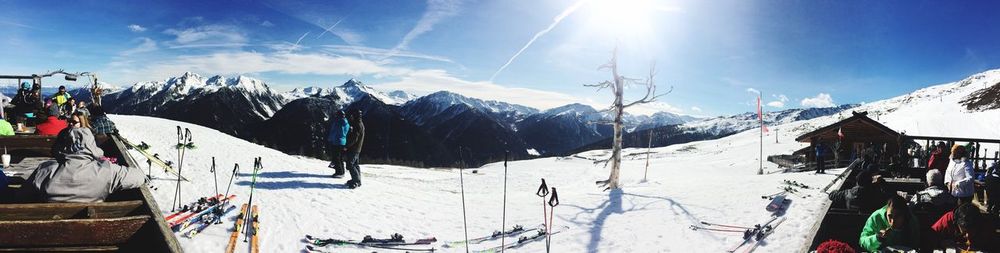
(295,184)
(613,205)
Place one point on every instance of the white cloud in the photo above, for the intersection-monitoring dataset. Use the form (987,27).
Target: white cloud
(256,62)
(780,102)
(654,107)
(695,109)
(207,34)
(821,100)
(754,91)
(267,23)
(432,80)
(437,10)
(380,52)
(145,45)
(136,28)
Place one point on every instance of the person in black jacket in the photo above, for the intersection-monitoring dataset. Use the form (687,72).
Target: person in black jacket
(355,140)
(868,195)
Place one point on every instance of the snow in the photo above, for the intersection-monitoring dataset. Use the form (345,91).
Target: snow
(712,181)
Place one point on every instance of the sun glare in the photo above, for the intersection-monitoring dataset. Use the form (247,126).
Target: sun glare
(623,18)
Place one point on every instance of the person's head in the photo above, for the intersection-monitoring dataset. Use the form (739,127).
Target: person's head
(62,89)
(865,177)
(25,85)
(966,217)
(897,213)
(934,177)
(76,143)
(355,115)
(81,104)
(79,120)
(95,110)
(940,144)
(339,114)
(958,152)
(71,101)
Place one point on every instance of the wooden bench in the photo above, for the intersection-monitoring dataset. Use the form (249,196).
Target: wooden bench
(57,211)
(70,232)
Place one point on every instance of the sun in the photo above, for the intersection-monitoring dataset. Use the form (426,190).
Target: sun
(623,18)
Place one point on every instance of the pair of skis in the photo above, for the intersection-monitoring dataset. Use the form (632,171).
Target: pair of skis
(541,235)
(752,235)
(254,226)
(183,221)
(516,230)
(395,243)
(152,158)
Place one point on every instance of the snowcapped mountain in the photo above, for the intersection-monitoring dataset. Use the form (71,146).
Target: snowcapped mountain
(226,104)
(350,91)
(422,109)
(563,128)
(725,125)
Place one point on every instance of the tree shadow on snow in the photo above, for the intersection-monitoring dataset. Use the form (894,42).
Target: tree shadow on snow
(285,174)
(613,205)
(295,184)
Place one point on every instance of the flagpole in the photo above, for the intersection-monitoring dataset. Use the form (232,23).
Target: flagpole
(760,115)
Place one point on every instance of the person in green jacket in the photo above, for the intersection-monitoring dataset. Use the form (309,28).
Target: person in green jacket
(891,225)
(5,128)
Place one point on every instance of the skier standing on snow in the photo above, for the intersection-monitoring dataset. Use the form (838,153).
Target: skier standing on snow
(819,158)
(337,140)
(355,139)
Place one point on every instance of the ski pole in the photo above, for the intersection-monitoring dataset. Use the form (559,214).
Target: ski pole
(215,178)
(177,188)
(543,190)
(187,142)
(553,202)
(257,166)
(461,182)
(149,172)
(503,217)
(236,169)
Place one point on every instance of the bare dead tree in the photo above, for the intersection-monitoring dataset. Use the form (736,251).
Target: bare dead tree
(617,85)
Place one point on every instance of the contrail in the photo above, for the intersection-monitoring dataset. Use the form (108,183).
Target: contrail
(297,42)
(555,22)
(332,26)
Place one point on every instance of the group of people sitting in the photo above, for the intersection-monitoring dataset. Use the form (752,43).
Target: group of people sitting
(79,170)
(892,223)
(62,111)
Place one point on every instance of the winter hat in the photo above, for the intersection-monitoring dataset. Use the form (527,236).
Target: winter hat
(834,246)
(76,143)
(25,85)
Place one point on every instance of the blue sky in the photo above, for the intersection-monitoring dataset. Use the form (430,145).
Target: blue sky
(798,53)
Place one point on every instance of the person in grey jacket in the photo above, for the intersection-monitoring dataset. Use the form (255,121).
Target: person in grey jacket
(355,139)
(78,174)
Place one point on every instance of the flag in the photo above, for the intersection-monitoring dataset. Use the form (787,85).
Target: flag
(760,116)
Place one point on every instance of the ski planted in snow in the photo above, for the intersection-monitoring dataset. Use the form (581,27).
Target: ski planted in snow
(151,157)
(237,226)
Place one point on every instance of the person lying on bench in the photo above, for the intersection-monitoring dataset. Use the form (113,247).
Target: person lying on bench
(78,174)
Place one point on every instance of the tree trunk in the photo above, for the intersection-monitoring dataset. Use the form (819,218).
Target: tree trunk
(616,153)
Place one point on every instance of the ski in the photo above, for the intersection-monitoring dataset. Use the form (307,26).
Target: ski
(395,243)
(723,225)
(183,221)
(750,233)
(520,242)
(255,229)
(151,157)
(796,184)
(186,209)
(396,240)
(768,230)
(216,218)
(236,230)
(730,230)
(516,230)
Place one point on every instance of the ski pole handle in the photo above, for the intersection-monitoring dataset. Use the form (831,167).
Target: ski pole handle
(213,165)
(554,201)
(543,190)
(506,156)
(236,170)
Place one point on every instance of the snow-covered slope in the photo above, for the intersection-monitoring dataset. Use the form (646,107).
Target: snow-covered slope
(711,181)
(350,91)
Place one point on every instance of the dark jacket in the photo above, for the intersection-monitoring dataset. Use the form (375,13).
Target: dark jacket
(356,137)
(981,239)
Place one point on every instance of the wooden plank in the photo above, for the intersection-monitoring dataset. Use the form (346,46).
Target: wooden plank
(63,249)
(75,232)
(57,211)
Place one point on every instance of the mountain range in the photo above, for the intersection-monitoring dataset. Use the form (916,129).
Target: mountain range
(438,129)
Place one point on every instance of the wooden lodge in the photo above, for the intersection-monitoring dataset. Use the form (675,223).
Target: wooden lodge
(902,161)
